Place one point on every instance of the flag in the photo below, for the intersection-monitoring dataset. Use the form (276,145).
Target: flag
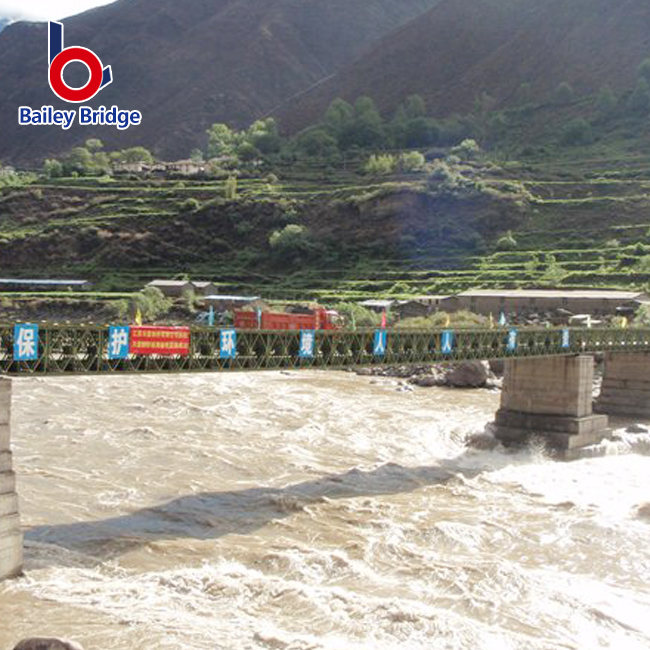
(491,321)
(624,322)
(384,320)
(503,321)
(138,317)
(259,318)
(447,321)
(211,316)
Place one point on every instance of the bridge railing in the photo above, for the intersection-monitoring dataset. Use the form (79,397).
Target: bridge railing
(63,350)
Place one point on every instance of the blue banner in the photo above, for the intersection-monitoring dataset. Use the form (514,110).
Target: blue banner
(381,341)
(118,342)
(25,342)
(512,340)
(307,344)
(228,344)
(447,342)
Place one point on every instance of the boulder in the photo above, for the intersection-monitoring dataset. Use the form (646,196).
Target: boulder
(497,367)
(427,381)
(636,428)
(47,644)
(468,374)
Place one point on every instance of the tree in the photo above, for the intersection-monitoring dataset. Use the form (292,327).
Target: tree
(643,70)
(316,143)
(366,130)
(640,98)
(415,107)
(577,131)
(221,140)
(605,102)
(264,136)
(93,145)
(53,169)
(247,152)
(338,117)
(563,94)
(196,155)
(133,155)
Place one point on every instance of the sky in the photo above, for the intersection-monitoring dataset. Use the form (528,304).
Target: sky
(46,9)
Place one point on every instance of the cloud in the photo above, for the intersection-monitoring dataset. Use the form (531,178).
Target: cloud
(46,9)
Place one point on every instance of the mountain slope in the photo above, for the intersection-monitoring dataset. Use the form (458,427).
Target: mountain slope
(460,48)
(187,65)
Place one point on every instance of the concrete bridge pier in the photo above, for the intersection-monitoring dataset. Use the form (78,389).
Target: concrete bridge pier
(626,385)
(11,539)
(550,399)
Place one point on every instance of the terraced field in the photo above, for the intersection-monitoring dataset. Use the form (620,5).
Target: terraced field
(585,223)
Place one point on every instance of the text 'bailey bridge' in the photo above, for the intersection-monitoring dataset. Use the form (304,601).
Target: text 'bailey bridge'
(547,390)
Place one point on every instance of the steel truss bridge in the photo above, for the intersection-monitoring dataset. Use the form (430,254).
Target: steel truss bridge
(81,350)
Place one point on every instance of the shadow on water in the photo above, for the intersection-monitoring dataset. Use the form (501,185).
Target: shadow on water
(211,515)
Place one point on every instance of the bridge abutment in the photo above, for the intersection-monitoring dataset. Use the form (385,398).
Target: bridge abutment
(549,399)
(626,385)
(11,539)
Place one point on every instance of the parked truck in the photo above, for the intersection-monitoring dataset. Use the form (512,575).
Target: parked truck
(316,319)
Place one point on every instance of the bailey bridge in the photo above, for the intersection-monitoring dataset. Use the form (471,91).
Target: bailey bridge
(547,390)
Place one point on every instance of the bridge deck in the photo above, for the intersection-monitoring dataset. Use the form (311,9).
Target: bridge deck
(79,350)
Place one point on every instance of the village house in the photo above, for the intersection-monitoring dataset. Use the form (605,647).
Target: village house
(12,284)
(525,301)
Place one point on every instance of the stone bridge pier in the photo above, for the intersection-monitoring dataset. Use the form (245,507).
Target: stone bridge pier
(11,539)
(626,385)
(550,399)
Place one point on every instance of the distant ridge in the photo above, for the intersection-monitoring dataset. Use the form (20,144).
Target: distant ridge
(189,64)
(461,48)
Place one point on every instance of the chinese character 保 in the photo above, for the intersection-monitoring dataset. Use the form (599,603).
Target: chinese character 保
(26,342)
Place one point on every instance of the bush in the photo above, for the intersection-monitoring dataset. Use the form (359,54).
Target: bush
(412,161)
(152,303)
(563,93)
(356,315)
(577,131)
(507,242)
(230,190)
(468,149)
(380,165)
(190,205)
(291,238)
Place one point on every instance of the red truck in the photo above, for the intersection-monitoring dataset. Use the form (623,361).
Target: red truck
(317,319)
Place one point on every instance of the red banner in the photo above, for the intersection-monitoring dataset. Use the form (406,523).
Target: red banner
(151,340)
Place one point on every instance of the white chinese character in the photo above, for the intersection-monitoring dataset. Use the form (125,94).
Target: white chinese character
(27,343)
(228,344)
(119,340)
(307,343)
